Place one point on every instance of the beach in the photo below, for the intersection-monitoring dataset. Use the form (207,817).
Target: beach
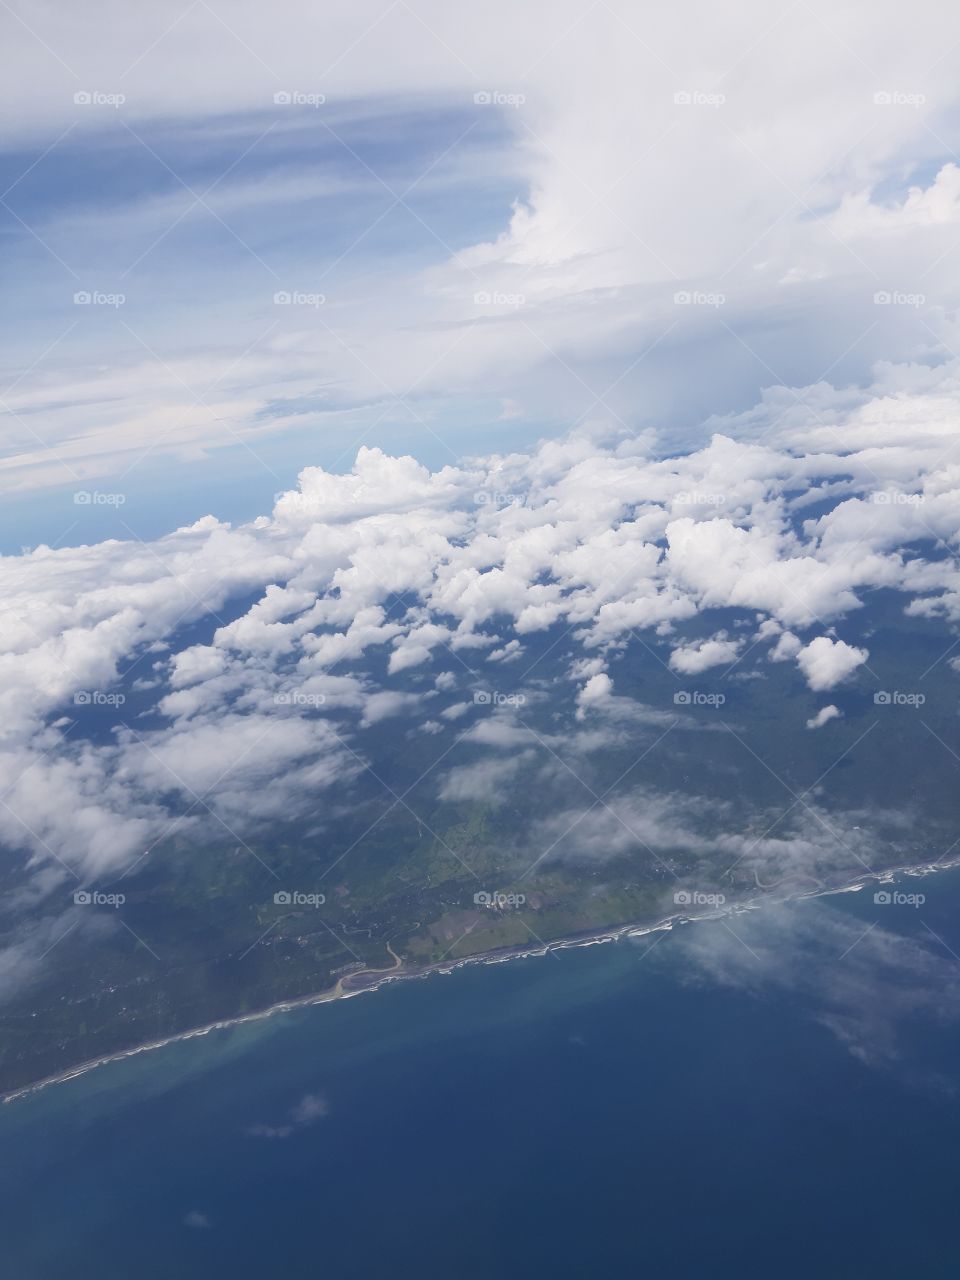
(367,981)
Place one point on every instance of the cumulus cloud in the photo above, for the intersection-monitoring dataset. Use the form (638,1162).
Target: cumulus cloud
(824,716)
(597,690)
(397,569)
(788,646)
(200,662)
(377,483)
(826,663)
(387,703)
(702,655)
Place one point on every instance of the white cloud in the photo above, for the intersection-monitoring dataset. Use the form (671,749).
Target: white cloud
(824,716)
(938,204)
(387,703)
(597,244)
(510,652)
(311,1108)
(596,541)
(826,663)
(485,780)
(788,646)
(247,768)
(197,663)
(889,985)
(596,692)
(700,656)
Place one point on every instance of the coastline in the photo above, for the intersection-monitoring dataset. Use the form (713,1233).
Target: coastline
(360,982)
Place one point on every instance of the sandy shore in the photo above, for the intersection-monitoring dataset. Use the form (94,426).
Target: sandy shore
(362,981)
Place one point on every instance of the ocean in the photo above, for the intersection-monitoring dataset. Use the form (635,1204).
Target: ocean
(740,1098)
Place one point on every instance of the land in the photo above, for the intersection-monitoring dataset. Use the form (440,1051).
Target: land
(360,981)
(740,801)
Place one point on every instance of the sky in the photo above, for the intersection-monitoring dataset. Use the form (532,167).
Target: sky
(492,226)
(417,330)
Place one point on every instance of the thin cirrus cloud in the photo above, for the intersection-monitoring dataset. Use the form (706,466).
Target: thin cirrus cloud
(496,251)
(888,984)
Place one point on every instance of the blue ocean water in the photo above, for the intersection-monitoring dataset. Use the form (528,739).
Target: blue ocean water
(730,1099)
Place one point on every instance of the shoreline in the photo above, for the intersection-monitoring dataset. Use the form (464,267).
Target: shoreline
(372,980)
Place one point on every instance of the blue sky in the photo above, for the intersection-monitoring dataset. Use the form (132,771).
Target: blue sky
(303,209)
(583,175)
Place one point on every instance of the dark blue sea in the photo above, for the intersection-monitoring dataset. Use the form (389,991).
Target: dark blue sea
(769,1096)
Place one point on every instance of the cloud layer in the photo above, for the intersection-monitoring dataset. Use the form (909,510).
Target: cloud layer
(596,538)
